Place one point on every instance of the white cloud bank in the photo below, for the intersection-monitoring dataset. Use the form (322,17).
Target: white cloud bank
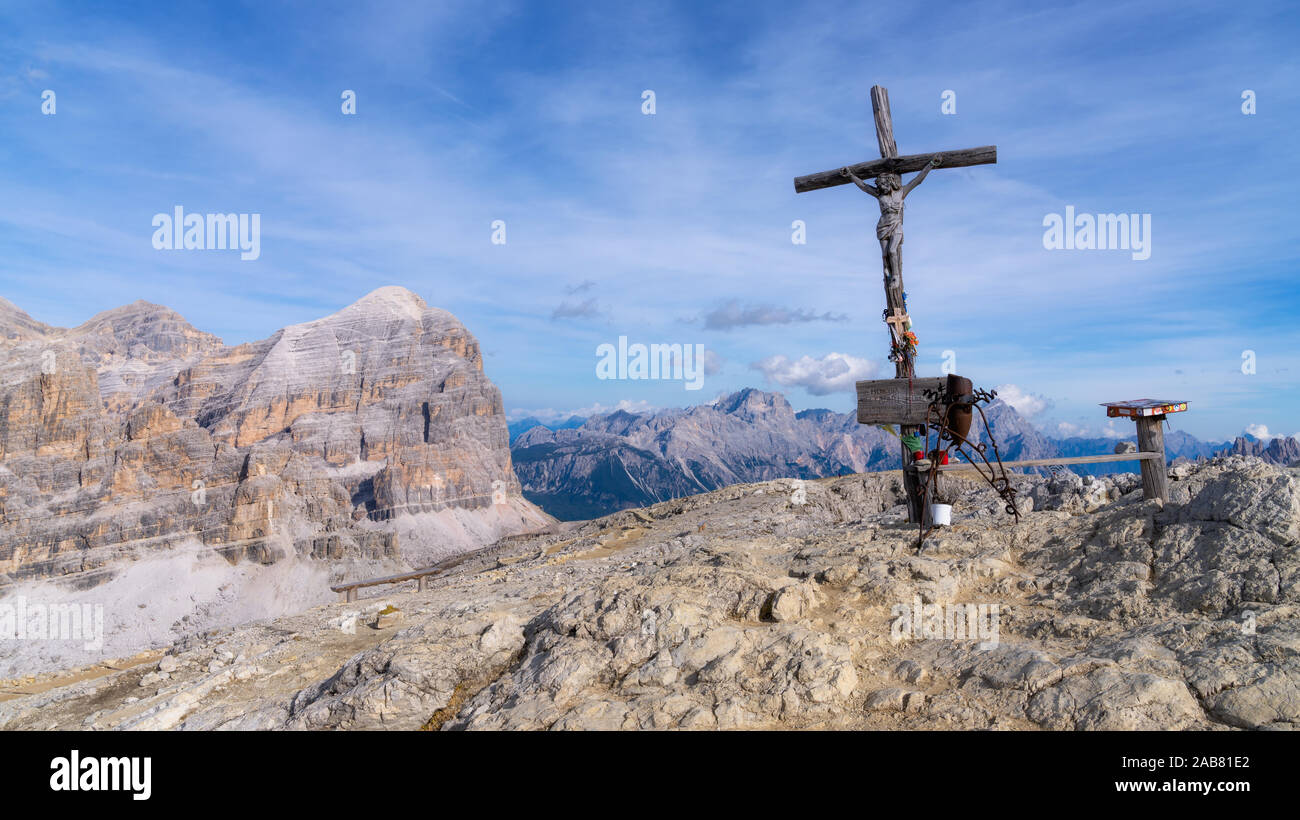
(1261,432)
(1026,404)
(832,373)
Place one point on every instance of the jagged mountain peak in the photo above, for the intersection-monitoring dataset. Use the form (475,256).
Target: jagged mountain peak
(383,307)
(619,422)
(752,402)
(138,308)
(392,299)
(8,308)
(16,325)
(142,328)
(1279,450)
(372,334)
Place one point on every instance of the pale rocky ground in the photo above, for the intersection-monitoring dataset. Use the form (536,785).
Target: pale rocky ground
(741,608)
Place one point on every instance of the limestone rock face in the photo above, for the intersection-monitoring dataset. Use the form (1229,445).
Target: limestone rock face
(739,609)
(17,326)
(135,433)
(137,348)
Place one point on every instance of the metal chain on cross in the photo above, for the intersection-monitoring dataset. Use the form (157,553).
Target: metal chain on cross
(937,417)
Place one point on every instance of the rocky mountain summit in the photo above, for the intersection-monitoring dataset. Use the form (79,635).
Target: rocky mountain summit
(1280,450)
(785,604)
(364,439)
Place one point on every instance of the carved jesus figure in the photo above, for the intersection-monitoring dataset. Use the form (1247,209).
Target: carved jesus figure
(890,193)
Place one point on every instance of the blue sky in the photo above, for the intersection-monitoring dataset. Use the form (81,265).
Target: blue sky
(676,226)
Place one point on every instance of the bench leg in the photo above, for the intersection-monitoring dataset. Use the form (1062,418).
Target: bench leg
(1151,439)
(352,595)
(419,584)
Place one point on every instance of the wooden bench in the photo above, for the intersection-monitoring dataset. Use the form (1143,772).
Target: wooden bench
(1149,415)
(924,464)
(349,591)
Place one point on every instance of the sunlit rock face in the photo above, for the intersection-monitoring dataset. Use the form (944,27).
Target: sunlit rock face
(135,433)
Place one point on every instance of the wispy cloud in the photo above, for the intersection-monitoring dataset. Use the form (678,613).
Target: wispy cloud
(586,309)
(551,415)
(732,315)
(1024,403)
(1261,432)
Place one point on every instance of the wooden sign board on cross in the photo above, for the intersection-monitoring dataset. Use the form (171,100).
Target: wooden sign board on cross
(896,401)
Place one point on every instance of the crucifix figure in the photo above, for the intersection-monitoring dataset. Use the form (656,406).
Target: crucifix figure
(890,193)
(889,230)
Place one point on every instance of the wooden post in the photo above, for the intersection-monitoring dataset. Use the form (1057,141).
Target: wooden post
(895,306)
(1151,439)
(1149,415)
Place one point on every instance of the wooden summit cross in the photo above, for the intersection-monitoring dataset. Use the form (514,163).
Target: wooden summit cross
(892,401)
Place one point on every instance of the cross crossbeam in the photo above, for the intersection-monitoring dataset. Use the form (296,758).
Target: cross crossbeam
(984,155)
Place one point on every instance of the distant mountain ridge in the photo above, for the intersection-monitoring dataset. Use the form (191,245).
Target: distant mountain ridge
(518,428)
(619,460)
(1282,450)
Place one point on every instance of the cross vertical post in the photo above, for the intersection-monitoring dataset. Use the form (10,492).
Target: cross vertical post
(895,304)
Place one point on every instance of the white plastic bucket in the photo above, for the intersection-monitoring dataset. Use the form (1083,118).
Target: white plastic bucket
(941,515)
